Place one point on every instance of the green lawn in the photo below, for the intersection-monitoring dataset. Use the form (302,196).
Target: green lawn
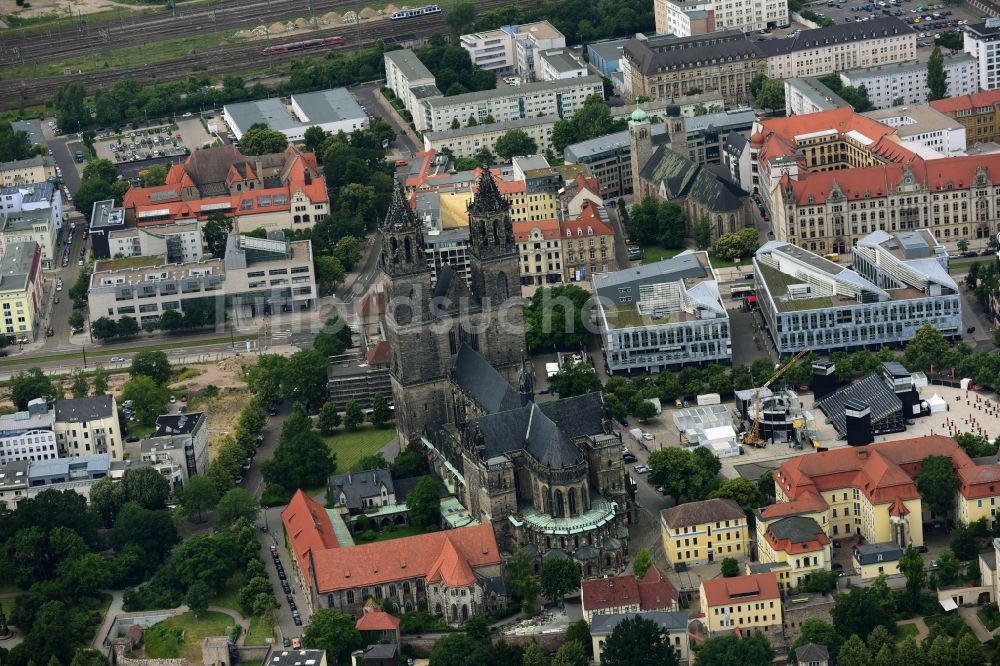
(141,431)
(229,597)
(181,635)
(259,631)
(989,616)
(904,631)
(351,447)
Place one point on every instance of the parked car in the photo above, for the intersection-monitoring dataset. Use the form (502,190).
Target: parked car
(117,359)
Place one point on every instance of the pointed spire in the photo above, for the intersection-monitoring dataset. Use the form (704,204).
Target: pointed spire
(488,198)
(526,381)
(399,214)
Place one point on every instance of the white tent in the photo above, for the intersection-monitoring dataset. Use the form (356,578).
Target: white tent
(937,404)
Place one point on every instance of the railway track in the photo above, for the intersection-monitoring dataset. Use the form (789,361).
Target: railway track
(228,59)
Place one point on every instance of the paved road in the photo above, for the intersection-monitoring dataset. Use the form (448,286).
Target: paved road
(60,151)
(621,252)
(368,96)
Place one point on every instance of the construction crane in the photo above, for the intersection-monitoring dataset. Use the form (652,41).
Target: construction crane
(752,438)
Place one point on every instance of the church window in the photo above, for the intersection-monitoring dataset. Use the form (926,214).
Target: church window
(496,232)
(502,290)
(350,596)
(407,251)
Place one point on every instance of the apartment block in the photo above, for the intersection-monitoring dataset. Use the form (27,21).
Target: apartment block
(36,169)
(540,246)
(85,426)
(34,227)
(177,448)
(180,243)
(513,49)
(467,141)
(706,531)
(662,315)
(809,95)
(506,103)
(978,112)
(906,82)
(982,41)
(21,283)
(742,604)
(846,46)
(28,435)
(684,18)
(490,49)
(409,79)
(898,284)
(105,218)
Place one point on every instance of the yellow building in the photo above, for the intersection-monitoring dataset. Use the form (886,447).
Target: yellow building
(699,532)
(792,547)
(741,604)
(874,559)
(21,289)
(36,169)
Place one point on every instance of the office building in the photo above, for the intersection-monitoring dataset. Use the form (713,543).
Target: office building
(36,169)
(180,243)
(684,18)
(105,219)
(178,447)
(705,531)
(491,49)
(662,315)
(21,283)
(332,111)
(28,435)
(557,64)
(906,82)
(898,284)
(467,141)
(742,604)
(846,46)
(513,49)
(25,479)
(978,112)
(982,42)
(86,426)
(706,134)
(274,192)
(809,95)
(606,56)
(256,277)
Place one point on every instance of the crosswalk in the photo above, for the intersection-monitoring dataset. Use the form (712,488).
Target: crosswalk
(280,335)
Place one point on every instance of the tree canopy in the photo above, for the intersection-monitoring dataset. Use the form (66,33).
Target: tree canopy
(260,140)
(515,143)
(691,475)
(558,317)
(652,222)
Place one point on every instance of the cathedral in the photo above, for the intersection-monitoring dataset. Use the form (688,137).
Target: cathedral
(548,477)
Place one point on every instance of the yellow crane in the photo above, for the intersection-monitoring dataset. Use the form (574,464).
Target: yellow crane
(752,438)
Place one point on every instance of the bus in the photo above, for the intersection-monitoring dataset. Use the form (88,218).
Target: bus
(742,290)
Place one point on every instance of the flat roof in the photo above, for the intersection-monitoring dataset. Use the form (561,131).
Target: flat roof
(561,60)
(609,50)
(605,144)
(15,265)
(904,67)
(407,62)
(106,214)
(523,90)
(816,92)
(518,123)
(722,120)
(328,106)
(32,127)
(914,119)
(324,106)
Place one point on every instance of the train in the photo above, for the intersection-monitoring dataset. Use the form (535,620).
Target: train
(298,46)
(411,12)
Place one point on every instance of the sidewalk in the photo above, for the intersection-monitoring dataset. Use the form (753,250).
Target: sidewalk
(969,615)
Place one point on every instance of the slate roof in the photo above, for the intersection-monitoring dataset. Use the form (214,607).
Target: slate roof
(77,410)
(871,391)
(796,529)
(841,33)
(668,52)
(671,621)
(811,652)
(578,416)
(358,485)
(528,428)
(871,553)
(479,379)
(698,513)
(683,178)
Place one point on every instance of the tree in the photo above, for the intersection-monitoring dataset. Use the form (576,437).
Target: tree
(408,464)
(154,175)
(575,378)
(641,409)
(260,140)
(458,650)
(854,652)
(966,540)
(304,379)
(643,561)
(817,631)
(88,657)
(71,113)
(301,459)
(702,233)
(29,384)
(424,503)
(947,567)
(348,248)
(937,78)
(329,271)
(534,655)
(682,473)
(651,222)
(975,446)
(150,398)
(152,364)
(819,581)
(380,411)
(742,491)
(237,504)
(198,495)
(520,580)
(334,632)
(738,244)
(75,319)
(911,565)
(150,534)
(216,231)
(936,483)
(103,328)
(927,348)
(556,317)
(941,652)
(314,137)
(730,567)
(859,611)
(963,245)
(515,142)
(571,653)
(329,419)
(733,651)
(14,145)
(198,597)
(579,631)
(353,416)
(334,338)
(79,386)
(772,94)
(146,486)
(968,651)
(126,327)
(636,640)
(559,576)
(461,17)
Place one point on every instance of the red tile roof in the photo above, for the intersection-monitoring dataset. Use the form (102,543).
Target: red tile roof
(549,229)
(809,503)
(740,589)
(653,592)
(376,620)
(308,528)
(952,105)
(590,217)
(448,556)
(379,354)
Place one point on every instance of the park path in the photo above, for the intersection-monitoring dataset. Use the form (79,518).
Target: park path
(921,626)
(972,619)
(113,610)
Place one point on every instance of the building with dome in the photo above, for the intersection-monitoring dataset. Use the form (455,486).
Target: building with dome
(548,477)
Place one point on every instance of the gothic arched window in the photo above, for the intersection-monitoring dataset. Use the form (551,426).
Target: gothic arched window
(502,291)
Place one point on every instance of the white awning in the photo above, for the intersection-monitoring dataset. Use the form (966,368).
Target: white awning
(948,603)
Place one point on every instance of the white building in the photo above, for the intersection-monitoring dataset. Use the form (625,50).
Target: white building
(332,111)
(810,95)
(467,141)
(542,98)
(686,18)
(921,127)
(409,80)
(513,49)
(28,435)
(492,50)
(180,243)
(907,81)
(178,448)
(85,426)
(24,479)
(32,212)
(556,64)
(982,41)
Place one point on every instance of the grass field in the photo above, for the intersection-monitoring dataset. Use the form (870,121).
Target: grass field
(230,595)
(181,635)
(259,631)
(904,631)
(351,447)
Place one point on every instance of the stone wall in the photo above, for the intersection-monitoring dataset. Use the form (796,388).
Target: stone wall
(144,619)
(253,652)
